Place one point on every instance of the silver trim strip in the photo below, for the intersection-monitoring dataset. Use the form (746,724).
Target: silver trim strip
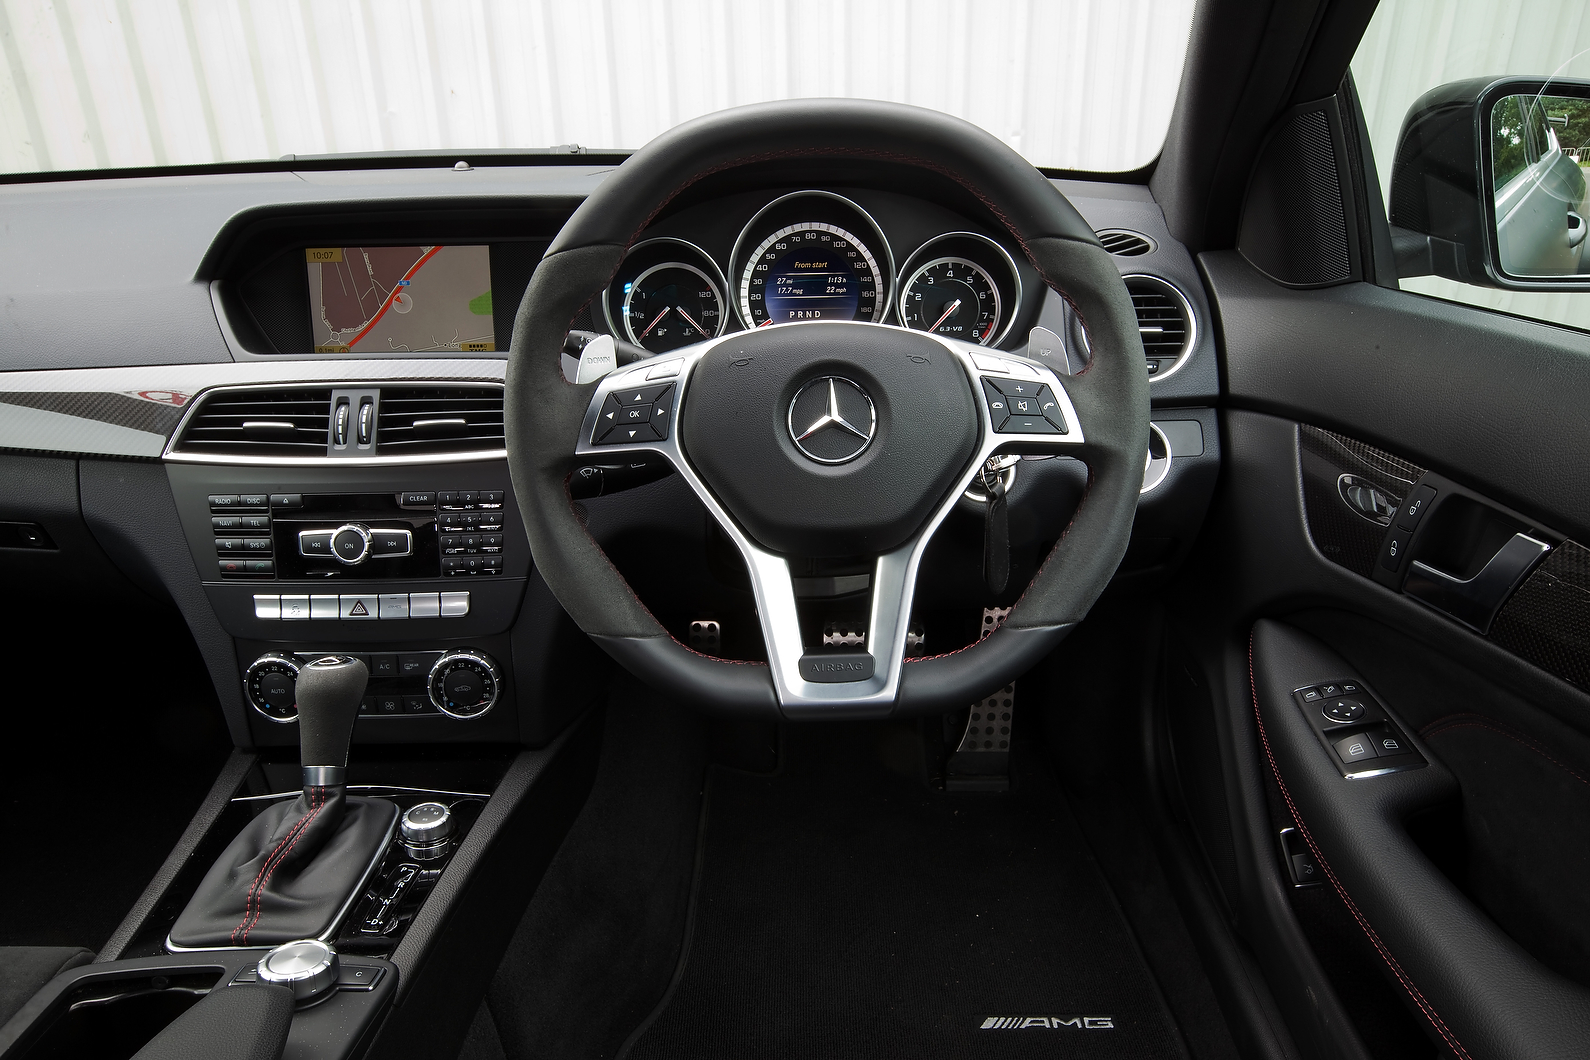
(894,573)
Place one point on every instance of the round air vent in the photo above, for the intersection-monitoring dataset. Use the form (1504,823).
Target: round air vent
(1124,243)
(1165,321)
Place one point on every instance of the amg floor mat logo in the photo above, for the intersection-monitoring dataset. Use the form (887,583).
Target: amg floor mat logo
(1053,1023)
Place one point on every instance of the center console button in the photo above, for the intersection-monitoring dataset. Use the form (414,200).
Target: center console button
(386,544)
(415,665)
(447,499)
(383,665)
(254,500)
(295,608)
(417,500)
(359,608)
(314,543)
(425,605)
(256,544)
(491,496)
(466,498)
(287,500)
(324,607)
(394,605)
(267,607)
(455,605)
(350,544)
(226,522)
(229,544)
(223,500)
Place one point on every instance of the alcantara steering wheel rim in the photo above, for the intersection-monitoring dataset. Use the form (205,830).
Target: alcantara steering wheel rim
(927,396)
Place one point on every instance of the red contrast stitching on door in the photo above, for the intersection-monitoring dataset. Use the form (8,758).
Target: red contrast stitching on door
(1352,907)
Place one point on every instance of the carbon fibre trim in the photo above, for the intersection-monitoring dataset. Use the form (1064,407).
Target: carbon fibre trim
(1339,533)
(132,411)
(1547,621)
(153,415)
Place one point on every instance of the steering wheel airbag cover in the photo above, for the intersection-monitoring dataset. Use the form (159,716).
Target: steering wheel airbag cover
(735,430)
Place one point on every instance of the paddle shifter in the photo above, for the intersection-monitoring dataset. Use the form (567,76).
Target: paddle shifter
(292,872)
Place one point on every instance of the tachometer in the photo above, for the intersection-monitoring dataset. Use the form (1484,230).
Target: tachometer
(961,285)
(951,297)
(671,305)
(810,271)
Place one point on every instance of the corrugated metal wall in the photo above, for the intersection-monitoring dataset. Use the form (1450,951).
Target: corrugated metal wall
(1414,45)
(1085,84)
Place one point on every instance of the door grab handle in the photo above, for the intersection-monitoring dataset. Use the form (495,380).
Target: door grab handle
(1576,229)
(1475,601)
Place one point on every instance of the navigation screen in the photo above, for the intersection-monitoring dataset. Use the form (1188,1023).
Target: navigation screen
(379,300)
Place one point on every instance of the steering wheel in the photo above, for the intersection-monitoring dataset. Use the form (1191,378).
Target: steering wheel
(827,438)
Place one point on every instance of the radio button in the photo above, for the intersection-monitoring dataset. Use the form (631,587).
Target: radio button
(223,500)
(314,542)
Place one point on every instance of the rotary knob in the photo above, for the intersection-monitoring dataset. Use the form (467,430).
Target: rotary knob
(426,829)
(307,967)
(272,686)
(465,683)
(350,543)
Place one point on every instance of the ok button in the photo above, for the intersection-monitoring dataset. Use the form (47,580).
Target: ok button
(633,414)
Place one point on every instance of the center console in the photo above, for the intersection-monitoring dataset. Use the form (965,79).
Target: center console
(417,570)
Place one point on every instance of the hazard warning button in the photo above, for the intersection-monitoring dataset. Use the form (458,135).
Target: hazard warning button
(357,607)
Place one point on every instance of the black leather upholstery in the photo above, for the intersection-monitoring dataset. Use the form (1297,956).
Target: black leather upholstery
(288,873)
(1480,992)
(231,1023)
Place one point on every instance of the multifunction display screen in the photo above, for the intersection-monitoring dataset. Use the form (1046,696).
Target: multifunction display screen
(382,300)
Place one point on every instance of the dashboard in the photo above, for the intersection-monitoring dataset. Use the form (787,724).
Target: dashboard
(288,418)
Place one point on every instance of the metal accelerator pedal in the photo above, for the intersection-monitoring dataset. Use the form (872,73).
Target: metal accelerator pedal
(982,761)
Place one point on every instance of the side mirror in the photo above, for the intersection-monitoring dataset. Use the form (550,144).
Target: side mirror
(1487,185)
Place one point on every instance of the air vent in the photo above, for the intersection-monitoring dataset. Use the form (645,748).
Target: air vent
(259,423)
(1165,322)
(1124,243)
(419,420)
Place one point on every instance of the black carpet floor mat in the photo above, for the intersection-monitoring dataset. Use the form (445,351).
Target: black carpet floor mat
(842,911)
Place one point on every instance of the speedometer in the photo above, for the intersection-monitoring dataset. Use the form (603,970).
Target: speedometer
(952,297)
(810,271)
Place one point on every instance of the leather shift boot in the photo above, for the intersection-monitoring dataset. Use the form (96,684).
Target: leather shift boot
(288,873)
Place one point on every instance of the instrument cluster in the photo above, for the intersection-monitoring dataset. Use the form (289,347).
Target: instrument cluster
(813,255)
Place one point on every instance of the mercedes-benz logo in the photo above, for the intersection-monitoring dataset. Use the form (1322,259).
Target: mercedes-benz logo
(832,420)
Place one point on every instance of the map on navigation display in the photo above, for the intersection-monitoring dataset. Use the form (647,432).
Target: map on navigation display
(411,299)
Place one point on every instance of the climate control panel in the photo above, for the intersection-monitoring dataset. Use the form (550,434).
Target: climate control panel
(461,683)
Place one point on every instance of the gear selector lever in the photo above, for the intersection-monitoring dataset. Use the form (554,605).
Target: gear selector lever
(329,691)
(293,871)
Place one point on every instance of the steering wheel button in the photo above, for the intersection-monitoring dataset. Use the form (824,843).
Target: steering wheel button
(1028,425)
(998,406)
(630,415)
(643,395)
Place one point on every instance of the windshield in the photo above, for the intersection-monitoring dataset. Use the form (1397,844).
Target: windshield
(99,84)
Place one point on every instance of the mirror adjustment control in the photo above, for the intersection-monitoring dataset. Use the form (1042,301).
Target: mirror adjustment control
(271,684)
(1342,709)
(465,683)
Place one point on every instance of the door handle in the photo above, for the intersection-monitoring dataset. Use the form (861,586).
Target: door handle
(1576,229)
(1475,601)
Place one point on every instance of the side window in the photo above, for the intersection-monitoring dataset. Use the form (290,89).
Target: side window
(1537,143)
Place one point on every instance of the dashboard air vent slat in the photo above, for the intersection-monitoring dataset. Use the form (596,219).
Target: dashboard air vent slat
(1163,322)
(289,422)
(1124,243)
(439,419)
